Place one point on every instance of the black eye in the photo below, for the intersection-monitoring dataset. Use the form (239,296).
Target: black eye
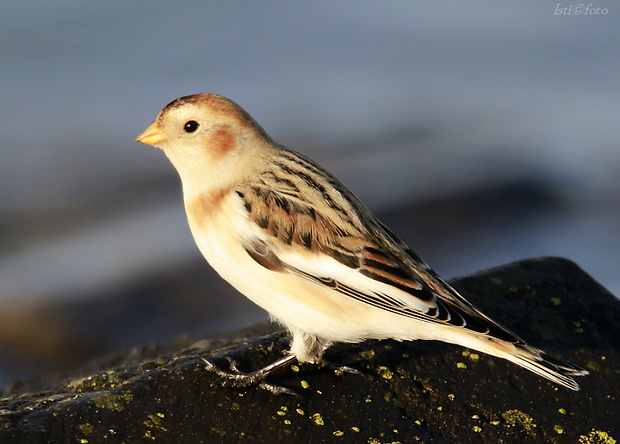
(191,126)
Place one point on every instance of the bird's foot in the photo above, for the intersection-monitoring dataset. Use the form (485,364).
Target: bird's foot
(237,378)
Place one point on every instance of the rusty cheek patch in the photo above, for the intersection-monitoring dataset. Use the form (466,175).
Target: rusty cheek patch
(201,208)
(221,142)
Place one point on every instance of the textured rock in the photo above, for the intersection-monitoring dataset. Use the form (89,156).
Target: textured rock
(408,392)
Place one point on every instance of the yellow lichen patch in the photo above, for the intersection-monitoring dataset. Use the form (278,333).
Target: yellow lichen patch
(385,372)
(558,429)
(461,365)
(562,411)
(112,402)
(318,419)
(154,422)
(355,429)
(597,437)
(556,301)
(470,355)
(90,383)
(517,417)
(593,366)
(367,354)
(304,384)
(477,429)
(337,433)
(86,429)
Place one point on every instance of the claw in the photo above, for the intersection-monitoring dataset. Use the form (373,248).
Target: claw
(237,378)
(340,370)
(278,389)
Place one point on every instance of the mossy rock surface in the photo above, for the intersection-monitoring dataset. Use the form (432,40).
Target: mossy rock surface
(407,392)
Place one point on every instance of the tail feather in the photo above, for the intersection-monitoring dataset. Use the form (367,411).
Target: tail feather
(503,343)
(546,365)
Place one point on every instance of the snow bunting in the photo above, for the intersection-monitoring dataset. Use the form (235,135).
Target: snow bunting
(289,236)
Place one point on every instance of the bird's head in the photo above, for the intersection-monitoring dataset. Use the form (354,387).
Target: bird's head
(206,137)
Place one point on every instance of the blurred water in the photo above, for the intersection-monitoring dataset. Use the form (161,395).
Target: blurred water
(406,102)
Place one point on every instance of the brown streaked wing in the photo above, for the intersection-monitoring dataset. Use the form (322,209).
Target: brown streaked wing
(292,209)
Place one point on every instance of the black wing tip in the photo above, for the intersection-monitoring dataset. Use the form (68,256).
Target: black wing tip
(563,367)
(552,368)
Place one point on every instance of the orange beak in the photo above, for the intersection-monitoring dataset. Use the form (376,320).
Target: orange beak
(152,135)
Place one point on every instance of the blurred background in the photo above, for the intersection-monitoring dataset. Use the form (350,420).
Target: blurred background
(482,133)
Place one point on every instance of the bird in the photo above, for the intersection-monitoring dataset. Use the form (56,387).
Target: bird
(293,239)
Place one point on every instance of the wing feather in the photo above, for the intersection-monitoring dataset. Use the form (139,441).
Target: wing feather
(410,289)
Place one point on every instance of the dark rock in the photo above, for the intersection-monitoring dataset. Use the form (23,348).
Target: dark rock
(409,392)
